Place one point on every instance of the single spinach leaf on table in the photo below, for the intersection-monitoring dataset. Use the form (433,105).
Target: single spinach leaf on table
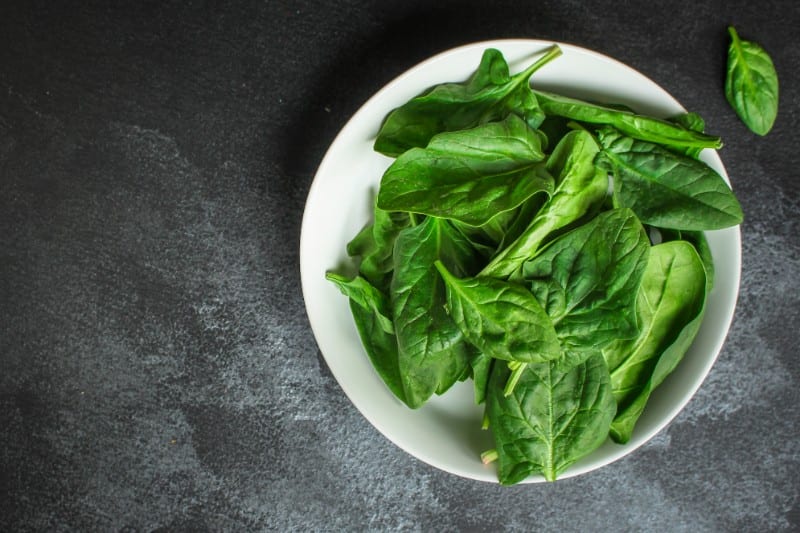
(751,84)
(580,186)
(587,281)
(433,353)
(553,418)
(490,94)
(664,188)
(503,320)
(670,306)
(469,175)
(634,125)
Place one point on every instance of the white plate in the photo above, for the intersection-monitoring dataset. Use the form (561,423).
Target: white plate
(446,432)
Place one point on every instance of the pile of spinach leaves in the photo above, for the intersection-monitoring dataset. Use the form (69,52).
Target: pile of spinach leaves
(547,248)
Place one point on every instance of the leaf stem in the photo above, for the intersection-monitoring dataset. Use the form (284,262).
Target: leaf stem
(552,53)
(516,373)
(489,456)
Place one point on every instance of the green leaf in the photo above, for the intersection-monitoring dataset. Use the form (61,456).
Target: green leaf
(490,94)
(690,121)
(701,246)
(470,175)
(587,282)
(367,296)
(700,243)
(503,228)
(751,84)
(433,353)
(552,419)
(481,368)
(580,187)
(371,312)
(502,319)
(381,348)
(637,126)
(666,189)
(374,244)
(670,307)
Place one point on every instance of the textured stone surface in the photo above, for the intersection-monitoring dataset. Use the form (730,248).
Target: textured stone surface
(157,371)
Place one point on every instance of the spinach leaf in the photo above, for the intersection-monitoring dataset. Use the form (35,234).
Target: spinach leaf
(670,307)
(363,243)
(666,189)
(433,354)
(381,348)
(375,246)
(638,126)
(503,228)
(481,368)
(690,121)
(469,175)
(700,243)
(371,312)
(502,319)
(363,293)
(553,418)
(580,187)
(491,93)
(751,84)
(587,282)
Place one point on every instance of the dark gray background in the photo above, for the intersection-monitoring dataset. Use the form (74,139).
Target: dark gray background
(157,370)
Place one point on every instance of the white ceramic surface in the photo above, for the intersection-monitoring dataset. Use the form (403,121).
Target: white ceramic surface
(446,433)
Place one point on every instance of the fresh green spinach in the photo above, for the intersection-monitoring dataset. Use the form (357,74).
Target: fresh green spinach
(669,306)
(374,245)
(363,293)
(550,249)
(432,352)
(501,319)
(581,186)
(470,175)
(587,280)
(666,189)
(553,418)
(751,84)
(638,126)
(490,94)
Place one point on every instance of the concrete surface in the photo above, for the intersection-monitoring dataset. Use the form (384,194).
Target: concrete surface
(157,371)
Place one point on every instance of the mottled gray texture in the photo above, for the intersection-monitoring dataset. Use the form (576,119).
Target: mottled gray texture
(158,371)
